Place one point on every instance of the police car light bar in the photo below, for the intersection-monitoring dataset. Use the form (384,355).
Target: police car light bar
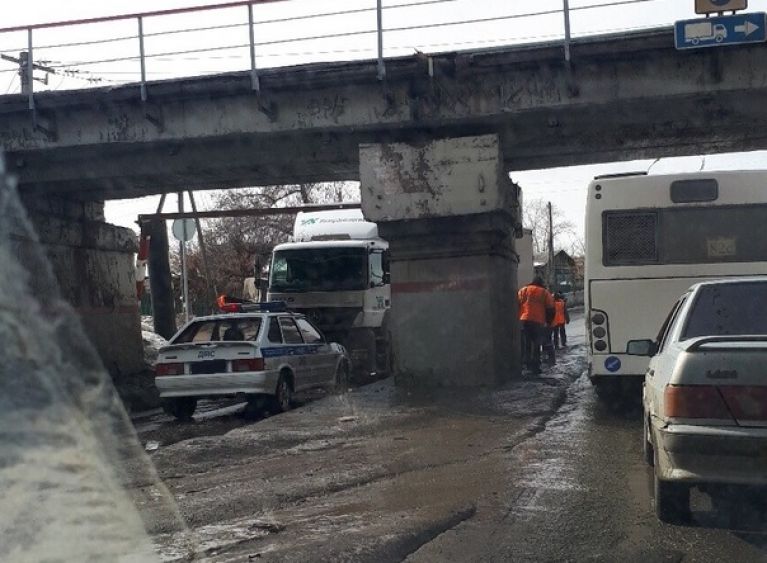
(267,307)
(228,304)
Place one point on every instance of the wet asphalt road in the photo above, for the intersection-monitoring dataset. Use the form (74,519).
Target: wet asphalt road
(583,493)
(536,471)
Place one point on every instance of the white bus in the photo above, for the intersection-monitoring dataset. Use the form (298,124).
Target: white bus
(649,238)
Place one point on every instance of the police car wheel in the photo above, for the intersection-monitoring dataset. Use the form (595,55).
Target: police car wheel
(342,378)
(254,409)
(182,408)
(283,395)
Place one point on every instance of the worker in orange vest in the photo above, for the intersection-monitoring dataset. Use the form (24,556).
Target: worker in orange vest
(561,318)
(536,308)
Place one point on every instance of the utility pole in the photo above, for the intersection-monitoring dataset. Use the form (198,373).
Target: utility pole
(550,269)
(23,62)
(24,72)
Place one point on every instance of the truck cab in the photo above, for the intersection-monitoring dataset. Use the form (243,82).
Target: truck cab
(336,272)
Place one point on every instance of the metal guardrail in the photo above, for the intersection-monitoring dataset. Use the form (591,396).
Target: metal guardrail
(28,62)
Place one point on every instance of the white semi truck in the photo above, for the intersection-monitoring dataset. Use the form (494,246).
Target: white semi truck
(336,272)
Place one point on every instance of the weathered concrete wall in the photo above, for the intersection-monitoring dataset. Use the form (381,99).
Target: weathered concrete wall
(441,178)
(622,97)
(94,264)
(450,214)
(453,316)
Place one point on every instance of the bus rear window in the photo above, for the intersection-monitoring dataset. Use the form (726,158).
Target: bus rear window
(685,235)
(694,191)
(630,238)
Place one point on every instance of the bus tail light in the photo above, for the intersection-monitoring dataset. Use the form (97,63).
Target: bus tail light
(161,370)
(600,340)
(695,401)
(249,364)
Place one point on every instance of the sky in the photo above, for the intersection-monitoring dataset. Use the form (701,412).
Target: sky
(282,43)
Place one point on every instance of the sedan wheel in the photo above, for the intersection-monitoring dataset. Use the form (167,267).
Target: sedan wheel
(672,501)
(647,447)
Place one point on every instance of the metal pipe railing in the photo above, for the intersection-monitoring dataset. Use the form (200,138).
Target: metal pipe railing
(142,57)
(380,30)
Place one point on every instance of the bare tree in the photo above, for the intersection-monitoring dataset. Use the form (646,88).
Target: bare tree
(536,217)
(234,244)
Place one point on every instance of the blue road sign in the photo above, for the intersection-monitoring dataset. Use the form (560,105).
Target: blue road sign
(723,30)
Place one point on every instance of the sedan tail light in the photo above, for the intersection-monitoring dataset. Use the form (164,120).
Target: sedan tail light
(250,364)
(747,402)
(161,370)
(695,401)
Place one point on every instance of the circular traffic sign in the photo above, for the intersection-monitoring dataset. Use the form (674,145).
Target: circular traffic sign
(183,229)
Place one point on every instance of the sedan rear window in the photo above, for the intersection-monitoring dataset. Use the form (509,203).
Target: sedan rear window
(729,309)
(230,330)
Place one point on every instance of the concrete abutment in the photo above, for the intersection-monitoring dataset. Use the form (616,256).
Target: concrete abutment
(94,263)
(450,215)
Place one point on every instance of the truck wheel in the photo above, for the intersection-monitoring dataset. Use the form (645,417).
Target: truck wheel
(647,447)
(383,357)
(342,378)
(181,408)
(283,396)
(672,501)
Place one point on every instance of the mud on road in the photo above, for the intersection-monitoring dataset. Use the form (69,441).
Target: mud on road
(373,474)
(536,470)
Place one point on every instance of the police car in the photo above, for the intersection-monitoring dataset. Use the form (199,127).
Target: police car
(259,351)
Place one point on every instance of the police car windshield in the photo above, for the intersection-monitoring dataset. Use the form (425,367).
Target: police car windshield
(221,330)
(331,269)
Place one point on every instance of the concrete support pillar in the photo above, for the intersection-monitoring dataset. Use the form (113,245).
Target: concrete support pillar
(94,263)
(450,215)
(160,283)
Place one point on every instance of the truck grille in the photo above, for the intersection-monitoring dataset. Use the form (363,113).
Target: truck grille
(331,318)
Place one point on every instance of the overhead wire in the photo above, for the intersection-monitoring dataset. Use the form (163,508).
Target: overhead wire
(10,84)
(174,55)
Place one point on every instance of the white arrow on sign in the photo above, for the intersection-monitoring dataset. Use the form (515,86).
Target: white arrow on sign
(747,28)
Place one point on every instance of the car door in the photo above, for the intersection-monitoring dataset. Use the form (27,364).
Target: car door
(294,347)
(320,353)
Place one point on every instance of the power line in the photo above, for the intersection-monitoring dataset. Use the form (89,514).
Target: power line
(339,13)
(10,84)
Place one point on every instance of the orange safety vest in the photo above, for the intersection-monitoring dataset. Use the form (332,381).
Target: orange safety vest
(559,313)
(533,302)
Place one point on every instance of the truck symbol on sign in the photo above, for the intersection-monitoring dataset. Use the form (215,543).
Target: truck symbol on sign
(698,32)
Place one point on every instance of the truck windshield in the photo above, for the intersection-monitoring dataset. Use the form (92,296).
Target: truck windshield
(729,309)
(319,269)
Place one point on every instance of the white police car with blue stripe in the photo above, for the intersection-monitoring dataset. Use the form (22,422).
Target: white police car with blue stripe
(262,352)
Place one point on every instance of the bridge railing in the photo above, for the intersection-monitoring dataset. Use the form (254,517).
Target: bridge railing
(250,35)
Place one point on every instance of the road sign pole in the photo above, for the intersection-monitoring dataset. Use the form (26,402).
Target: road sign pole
(182,245)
